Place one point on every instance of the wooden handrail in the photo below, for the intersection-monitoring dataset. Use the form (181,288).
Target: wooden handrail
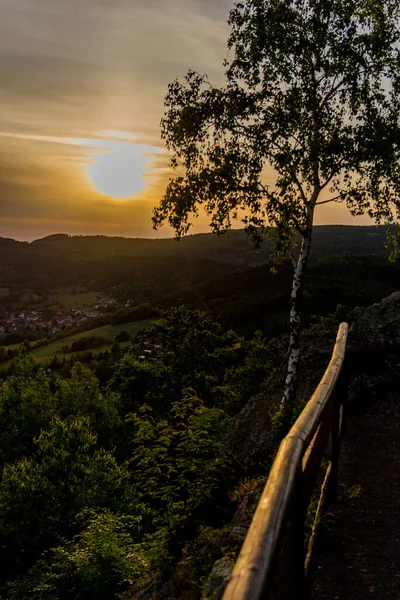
(273,562)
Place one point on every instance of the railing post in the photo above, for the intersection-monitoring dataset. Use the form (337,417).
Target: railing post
(288,582)
(344,397)
(298,511)
(338,420)
(334,447)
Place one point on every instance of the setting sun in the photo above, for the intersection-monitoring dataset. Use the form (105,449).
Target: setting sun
(118,166)
(118,174)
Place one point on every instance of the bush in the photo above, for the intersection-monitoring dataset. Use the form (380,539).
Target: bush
(123,336)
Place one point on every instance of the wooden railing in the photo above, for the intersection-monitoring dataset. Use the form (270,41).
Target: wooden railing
(275,562)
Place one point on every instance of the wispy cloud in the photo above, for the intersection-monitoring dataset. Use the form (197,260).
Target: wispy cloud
(80,78)
(84,78)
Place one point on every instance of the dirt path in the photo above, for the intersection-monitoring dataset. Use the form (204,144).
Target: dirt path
(360,556)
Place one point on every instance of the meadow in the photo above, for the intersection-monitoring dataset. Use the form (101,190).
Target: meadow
(44,353)
(72,299)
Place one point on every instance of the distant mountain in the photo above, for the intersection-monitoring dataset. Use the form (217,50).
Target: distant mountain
(328,240)
(147,268)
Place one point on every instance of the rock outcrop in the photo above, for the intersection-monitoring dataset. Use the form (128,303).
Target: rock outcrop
(373,352)
(373,348)
(376,329)
(251,435)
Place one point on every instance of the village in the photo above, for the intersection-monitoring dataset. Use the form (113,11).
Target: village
(33,320)
(35,323)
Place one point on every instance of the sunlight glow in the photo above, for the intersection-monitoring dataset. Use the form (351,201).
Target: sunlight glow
(118,174)
(117,165)
(117,170)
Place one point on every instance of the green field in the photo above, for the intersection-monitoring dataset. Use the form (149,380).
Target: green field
(66,297)
(30,297)
(23,301)
(107,331)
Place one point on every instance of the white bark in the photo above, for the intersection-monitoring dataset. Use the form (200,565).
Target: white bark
(289,392)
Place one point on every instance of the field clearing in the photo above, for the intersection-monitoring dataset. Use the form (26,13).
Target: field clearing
(106,331)
(29,297)
(12,346)
(4,292)
(68,298)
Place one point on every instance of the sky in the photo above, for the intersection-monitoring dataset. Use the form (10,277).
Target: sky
(81,97)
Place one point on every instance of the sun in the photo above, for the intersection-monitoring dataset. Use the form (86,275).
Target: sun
(118,173)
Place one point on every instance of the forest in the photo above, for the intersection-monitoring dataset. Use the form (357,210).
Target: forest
(117,480)
(138,266)
(112,489)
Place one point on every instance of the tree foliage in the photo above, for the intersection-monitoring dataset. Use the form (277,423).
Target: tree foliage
(106,493)
(81,396)
(182,349)
(41,496)
(26,406)
(175,461)
(311,91)
(99,563)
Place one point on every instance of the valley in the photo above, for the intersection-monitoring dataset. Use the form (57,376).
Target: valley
(98,295)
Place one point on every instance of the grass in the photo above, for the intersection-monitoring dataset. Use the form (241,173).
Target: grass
(29,298)
(107,331)
(26,301)
(12,346)
(70,299)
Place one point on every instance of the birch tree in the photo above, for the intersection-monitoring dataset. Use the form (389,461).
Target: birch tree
(311,102)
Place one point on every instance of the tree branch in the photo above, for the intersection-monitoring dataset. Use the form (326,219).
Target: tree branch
(298,184)
(267,192)
(327,181)
(331,93)
(334,199)
(297,142)
(273,198)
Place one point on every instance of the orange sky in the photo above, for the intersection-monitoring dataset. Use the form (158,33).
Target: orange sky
(81,97)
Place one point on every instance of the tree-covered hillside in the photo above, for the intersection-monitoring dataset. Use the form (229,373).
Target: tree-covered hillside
(111,490)
(149,268)
(256,298)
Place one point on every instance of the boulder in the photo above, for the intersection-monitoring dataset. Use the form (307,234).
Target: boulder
(218,579)
(251,435)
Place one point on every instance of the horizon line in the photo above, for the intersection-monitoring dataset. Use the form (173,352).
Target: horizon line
(122,237)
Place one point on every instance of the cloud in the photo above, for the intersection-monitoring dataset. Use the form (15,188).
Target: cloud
(92,64)
(79,77)
(77,73)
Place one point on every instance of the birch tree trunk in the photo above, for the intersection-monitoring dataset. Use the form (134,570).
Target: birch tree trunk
(289,392)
